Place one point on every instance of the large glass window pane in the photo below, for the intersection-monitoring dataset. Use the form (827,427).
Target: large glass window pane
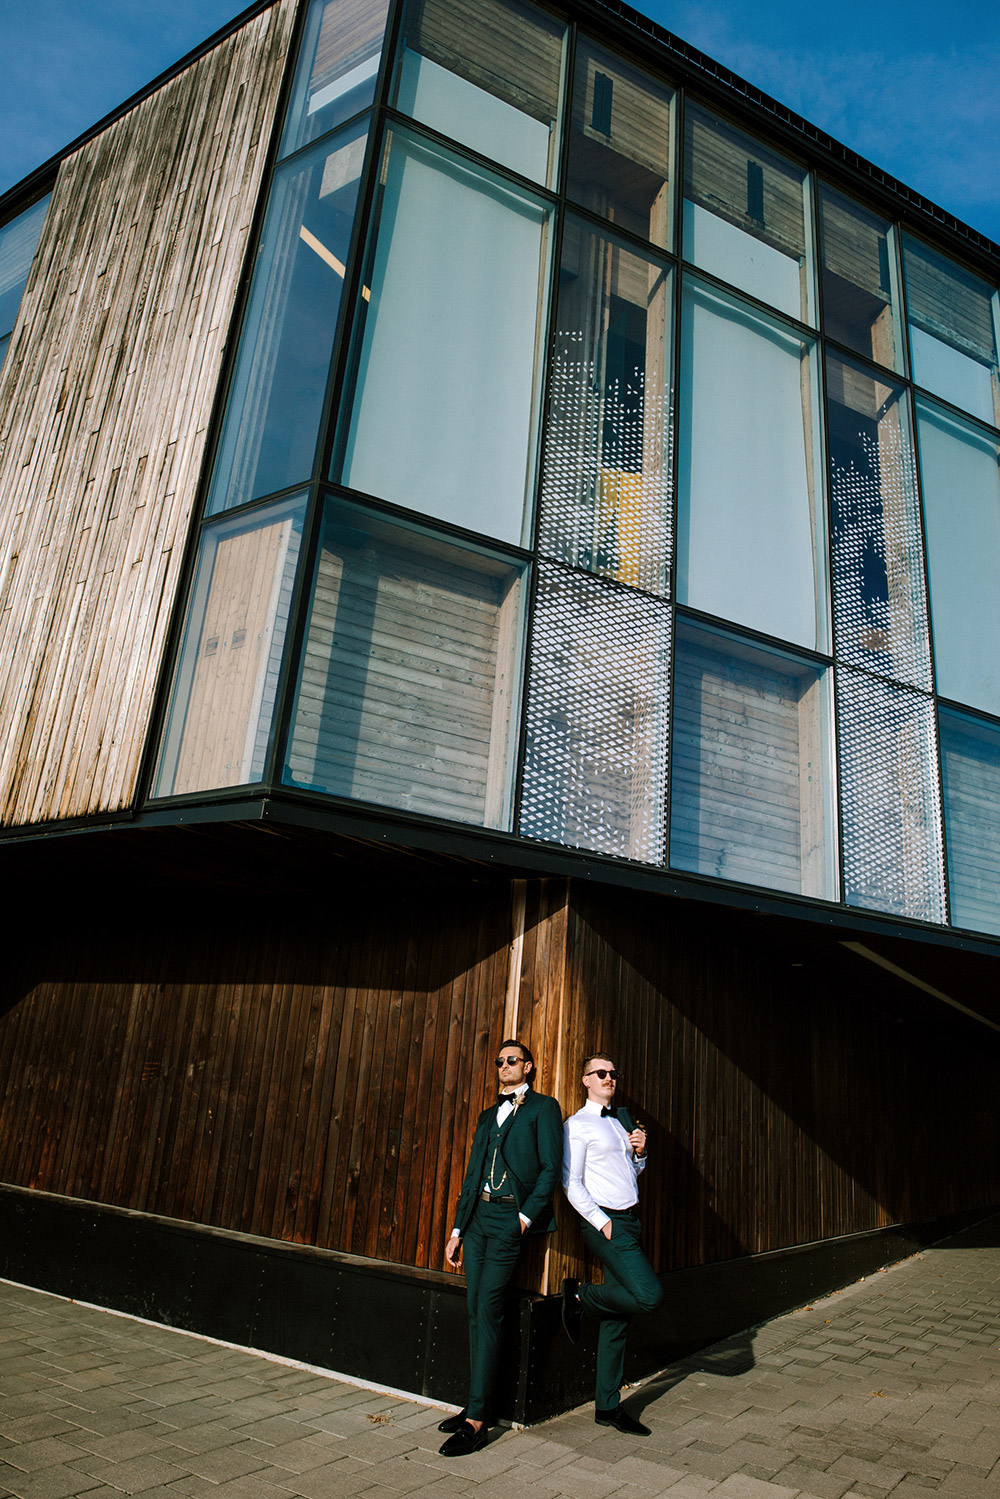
(746,215)
(446,392)
(879,599)
(860,297)
(276,400)
(960,468)
(750,782)
(606,490)
(621,142)
(750,512)
(18,243)
(597,718)
(970,760)
(486,73)
(337,70)
(890,809)
(408,684)
(224,687)
(953,331)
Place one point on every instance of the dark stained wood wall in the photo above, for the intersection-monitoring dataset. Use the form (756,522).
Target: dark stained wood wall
(310,1078)
(105,398)
(314,1074)
(793,1091)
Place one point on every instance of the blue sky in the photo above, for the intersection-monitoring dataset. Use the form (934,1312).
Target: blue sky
(913,86)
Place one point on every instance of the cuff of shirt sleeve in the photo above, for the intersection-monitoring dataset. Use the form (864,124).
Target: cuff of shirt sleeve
(597,1220)
(524,1220)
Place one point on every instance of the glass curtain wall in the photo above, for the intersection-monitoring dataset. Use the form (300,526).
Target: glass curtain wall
(970,761)
(443,414)
(487,74)
(751,789)
(751,516)
(688,675)
(747,215)
(408,682)
(18,243)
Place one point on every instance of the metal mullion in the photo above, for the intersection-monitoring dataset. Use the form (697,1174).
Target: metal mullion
(922,519)
(548,345)
(676,168)
(301,602)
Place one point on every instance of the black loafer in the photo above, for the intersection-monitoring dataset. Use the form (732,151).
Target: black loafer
(620,1419)
(453,1423)
(467,1439)
(571,1312)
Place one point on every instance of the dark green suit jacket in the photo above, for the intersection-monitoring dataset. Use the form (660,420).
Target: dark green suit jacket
(531,1148)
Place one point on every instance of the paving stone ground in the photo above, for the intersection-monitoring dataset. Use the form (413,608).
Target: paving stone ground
(891,1386)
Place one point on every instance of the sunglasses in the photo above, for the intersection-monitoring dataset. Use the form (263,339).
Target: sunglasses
(511,1061)
(602,1073)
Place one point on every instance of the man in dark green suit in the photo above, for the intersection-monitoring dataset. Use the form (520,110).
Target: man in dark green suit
(605,1154)
(515,1163)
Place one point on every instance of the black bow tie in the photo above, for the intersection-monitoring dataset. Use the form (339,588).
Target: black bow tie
(607,1113)
(507,1098)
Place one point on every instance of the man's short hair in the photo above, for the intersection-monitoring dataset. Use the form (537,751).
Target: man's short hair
(512,1041)
(596,1056)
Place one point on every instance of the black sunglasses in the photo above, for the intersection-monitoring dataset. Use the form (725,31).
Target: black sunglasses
(602,1073)
(511,1061)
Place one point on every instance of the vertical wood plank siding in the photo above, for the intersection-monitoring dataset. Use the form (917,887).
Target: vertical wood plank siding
(105,397)
(315,1076)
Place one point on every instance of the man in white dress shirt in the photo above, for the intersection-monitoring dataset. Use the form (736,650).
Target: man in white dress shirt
(604,1154)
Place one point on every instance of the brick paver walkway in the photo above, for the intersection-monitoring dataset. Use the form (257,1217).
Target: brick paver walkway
(891,1386)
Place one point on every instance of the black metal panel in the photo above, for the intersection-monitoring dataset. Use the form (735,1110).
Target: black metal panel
(405,1328)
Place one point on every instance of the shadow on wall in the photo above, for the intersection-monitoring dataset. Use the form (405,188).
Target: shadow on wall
(798,1092)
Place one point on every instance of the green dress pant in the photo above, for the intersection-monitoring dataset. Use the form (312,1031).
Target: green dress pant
(490,1248)
(630,1285)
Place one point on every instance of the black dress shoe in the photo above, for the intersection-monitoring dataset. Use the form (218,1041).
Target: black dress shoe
(620,1419)
(467,1439)
(453,1423)
(571,1310)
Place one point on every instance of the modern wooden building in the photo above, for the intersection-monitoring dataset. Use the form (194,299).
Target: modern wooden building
(500,526)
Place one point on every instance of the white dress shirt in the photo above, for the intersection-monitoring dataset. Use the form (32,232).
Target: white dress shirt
(600,1168)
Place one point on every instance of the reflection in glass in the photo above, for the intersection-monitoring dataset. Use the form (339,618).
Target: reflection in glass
(444,405)
(953,331)
(879,600)
(18,243)
(970,761)
(606,491)
(620,144)
(408,684)
(337,69)
(224,688)
(597,718)
(860,297)
(486,73)
(750,784)
(750,510)
(746,217)
(272,420)
(960,468)
(893,859)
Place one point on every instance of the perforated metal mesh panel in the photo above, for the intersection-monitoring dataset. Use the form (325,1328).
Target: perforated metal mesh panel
(889,798)
(879,598)
(606,492)
(597,717)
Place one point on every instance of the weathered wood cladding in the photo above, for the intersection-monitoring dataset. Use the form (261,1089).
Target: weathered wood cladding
(315,1075)
(105,398)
